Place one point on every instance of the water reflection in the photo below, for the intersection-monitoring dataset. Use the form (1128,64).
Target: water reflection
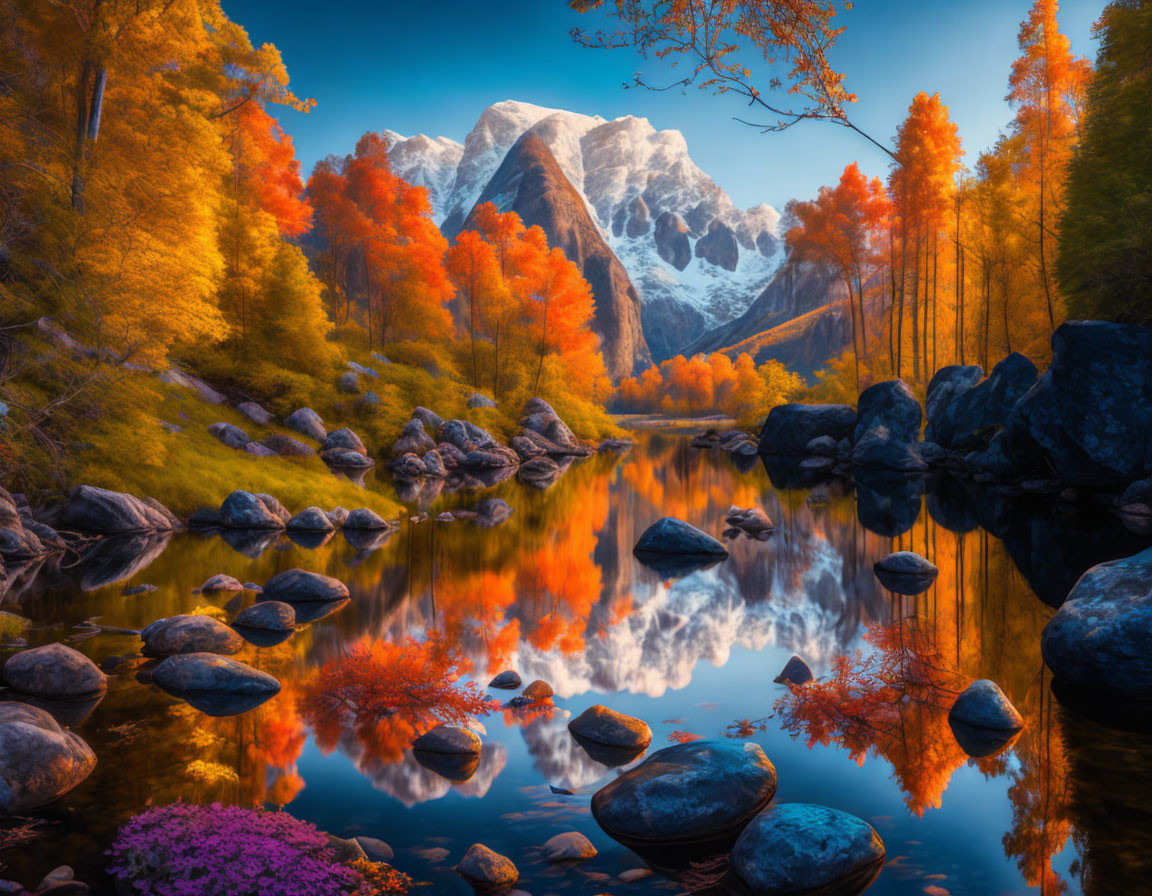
(555,593)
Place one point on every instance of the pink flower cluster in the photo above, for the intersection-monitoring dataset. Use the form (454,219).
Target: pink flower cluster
(189,850)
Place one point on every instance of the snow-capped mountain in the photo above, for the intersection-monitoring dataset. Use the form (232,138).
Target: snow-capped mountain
(696,260)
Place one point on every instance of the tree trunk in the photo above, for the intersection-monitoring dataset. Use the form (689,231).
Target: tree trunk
(916,308)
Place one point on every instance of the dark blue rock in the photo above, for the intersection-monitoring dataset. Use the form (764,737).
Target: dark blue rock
(688,793)
(905,573)
(676,537)
(947,384)
(1089,417)
(973,416)
(300,586)
(795,671)
(795,848)
(215,684)
(1100,641)
(887,503)
(880,449)
(790,427)
(983,705)
(892,405)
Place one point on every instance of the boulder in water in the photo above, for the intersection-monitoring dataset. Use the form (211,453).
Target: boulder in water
(672,536)
(571,846)
(221,582)
(448,739)
(973,416)
(215,685)
(103,512)
(39,761)
(505,681)
(189,634)
(605,726)
(754,521)
(795,671)
(486,869)
(795,848)
(364,519)
(244,510)
(54,671)
(983,705)
(790,427)
(891,405)
(300,586)
(268,615)
(311,519)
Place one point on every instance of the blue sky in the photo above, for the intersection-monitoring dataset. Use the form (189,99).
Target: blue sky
(432,67)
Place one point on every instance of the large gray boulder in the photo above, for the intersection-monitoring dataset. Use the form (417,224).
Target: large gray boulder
(466,436)
(984,705)
(244,510)
(672,536)
(104,512)
(448,739)
(17,541)
(214,684)
(300,586)
(476,400)
(689,793)
(890,405)
(307,422)
(973,416)
(268,615)
(343,439)
(795,848)
(880,449)
(363,518)
(189,634)
(39,761)
(54,671)
(1100,640)
(254,412)
(1089,417)
(790,427)
(947,384)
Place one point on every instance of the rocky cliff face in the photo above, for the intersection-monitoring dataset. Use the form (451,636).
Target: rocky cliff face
(628,176)
(531,183)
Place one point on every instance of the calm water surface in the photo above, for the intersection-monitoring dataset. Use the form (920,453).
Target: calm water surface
(555,593)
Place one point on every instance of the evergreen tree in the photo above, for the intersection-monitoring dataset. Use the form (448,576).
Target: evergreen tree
(1105,258)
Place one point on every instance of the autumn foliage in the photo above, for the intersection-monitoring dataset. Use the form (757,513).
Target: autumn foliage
(388,694)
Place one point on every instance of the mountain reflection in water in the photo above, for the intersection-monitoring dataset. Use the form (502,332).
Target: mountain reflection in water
(556,594)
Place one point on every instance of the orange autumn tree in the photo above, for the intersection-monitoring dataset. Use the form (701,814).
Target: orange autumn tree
(383,247)
(1048,87)
(842,228)
(388,694)
(922,184)
(527,309)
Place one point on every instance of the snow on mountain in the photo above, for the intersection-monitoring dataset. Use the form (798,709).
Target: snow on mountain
(427,162)
(629,174)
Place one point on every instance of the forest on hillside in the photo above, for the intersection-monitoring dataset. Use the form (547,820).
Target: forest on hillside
(154,217)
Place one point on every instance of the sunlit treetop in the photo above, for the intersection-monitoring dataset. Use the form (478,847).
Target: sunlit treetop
(774,53)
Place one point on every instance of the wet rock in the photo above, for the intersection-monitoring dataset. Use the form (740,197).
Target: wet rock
(311,519)
(538,690)
(1088,417)
(1099,639)
(54,671)
(526,448)
(268,615)
(364,519)
(790,427)
(795,848)
(221,582)
(492,459)
(189,634)
(879,449)
(974,416)
(795,671)
(476,400)
(215,684)
(104,512)
(286,446)
(376,850)
(505,681)
(486,869)
(605,726)
(230,435)
(983,705)
(892,405)
(300,586)
(434,466)
(344,439)
(672,536)
(448,739)
(905,573)
(408,466)
(689,793)
(413,440)
(754,520)
(568,847)
(244,510)
(307,422)
(39,761)
(947,384)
